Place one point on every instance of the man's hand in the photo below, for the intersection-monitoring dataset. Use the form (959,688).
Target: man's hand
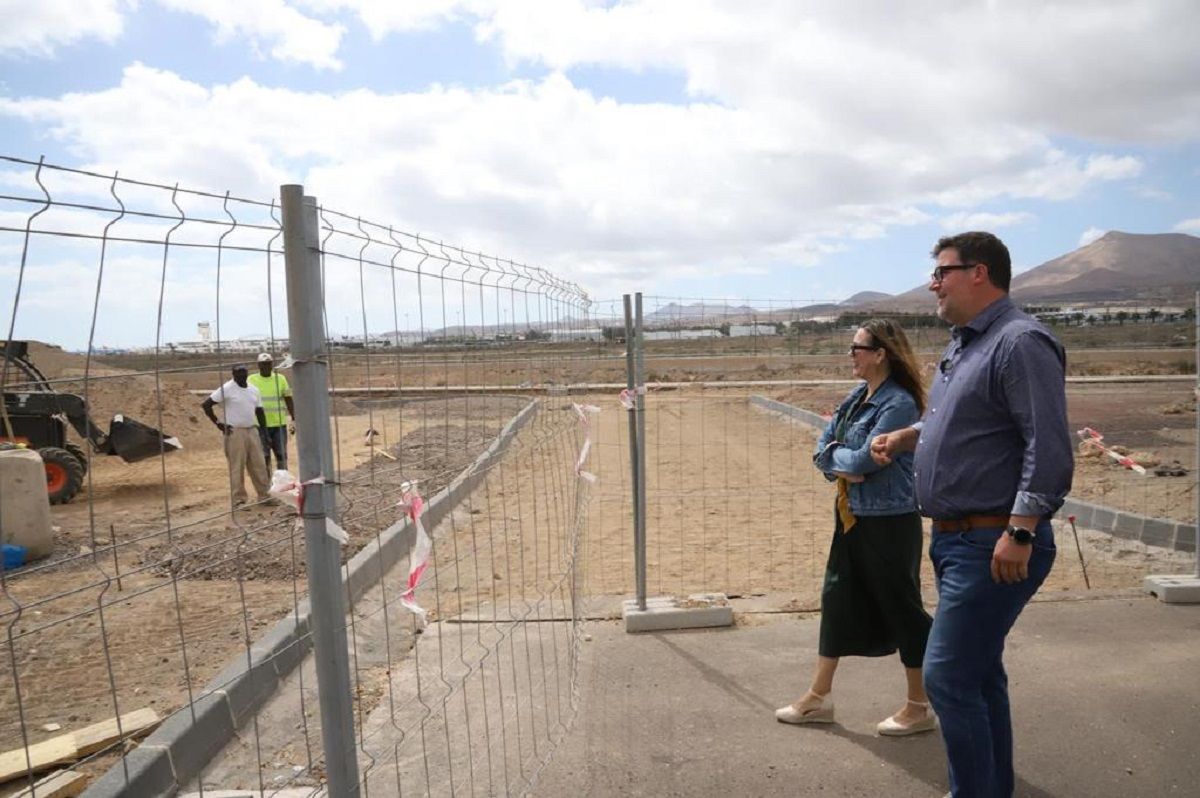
(224,429)
(1010,560)
(291,427)
(884,447)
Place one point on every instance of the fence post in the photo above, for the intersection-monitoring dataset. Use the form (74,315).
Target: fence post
(639,566)
(639,399)
(306,326)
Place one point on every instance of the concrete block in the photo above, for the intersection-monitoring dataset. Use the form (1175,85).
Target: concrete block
(145,772)
(1185,537)
(1082,511)
(1156,532)
(283,646)
(1104,520)
(191,743)
(24,503)
(1127,525)
(668,612)
(246,689)
(1174,589)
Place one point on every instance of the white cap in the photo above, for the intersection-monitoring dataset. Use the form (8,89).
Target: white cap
(265,357)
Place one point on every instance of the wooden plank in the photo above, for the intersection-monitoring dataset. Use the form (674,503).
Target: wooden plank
(91,739)
(73,745)
(63,784)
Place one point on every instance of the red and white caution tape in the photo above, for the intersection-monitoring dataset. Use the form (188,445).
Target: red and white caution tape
(288,490)
(627,396)
(413,505)
(583,411)
(1094,437)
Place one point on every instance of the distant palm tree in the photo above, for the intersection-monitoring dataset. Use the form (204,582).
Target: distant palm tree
(1153,314)
(1121,317)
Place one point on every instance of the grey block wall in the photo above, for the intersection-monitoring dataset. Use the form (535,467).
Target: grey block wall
(1118,523)
(178,750)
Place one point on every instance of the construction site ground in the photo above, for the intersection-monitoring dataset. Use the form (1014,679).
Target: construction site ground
(735,506)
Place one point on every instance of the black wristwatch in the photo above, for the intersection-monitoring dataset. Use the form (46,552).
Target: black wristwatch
(1020,535)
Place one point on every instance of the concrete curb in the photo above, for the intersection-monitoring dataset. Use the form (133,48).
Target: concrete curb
(183,744)
(1162,532)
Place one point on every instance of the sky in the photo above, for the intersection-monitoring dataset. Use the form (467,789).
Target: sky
(763,149)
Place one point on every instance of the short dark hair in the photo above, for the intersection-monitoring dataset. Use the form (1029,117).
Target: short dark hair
(239,367)
(985,248)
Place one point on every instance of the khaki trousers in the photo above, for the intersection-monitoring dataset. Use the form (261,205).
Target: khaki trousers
(243,450)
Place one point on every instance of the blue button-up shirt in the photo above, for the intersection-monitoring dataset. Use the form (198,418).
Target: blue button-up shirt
(994,439)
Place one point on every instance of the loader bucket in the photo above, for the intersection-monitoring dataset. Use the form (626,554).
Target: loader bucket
(132,440)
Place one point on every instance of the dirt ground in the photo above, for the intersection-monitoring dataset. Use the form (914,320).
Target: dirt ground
(733,505)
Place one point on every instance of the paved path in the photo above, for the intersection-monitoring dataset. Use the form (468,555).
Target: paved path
(1106,703)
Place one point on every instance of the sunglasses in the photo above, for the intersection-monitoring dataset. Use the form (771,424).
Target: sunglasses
(863,348)
(939,274)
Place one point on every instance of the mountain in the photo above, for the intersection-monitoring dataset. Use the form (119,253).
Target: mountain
(867,298)
(1117,266)
(1161,267)
(699,312)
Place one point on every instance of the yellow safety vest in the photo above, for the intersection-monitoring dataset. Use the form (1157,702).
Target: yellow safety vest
(273,389)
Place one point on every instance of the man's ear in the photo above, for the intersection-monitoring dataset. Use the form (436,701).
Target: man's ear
(981,274)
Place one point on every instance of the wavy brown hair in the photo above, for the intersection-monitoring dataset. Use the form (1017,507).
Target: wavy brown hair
(905,371)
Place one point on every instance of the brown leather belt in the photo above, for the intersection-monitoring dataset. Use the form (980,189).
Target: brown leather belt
(970,522)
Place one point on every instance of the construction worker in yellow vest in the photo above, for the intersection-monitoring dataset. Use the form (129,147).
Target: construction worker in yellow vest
(276,399)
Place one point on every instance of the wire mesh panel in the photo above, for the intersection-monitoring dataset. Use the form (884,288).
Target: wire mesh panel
(735,505)
(167,607)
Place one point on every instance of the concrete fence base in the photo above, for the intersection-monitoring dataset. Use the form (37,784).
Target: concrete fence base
(1118,523)
(179,749)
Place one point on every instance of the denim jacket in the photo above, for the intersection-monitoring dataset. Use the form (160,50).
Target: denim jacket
(886,490)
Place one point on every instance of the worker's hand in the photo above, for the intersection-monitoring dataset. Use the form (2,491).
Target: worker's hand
(291,428)
(1010,560)
(224,429)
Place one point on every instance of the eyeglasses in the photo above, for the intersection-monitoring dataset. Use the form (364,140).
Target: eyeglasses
(939,274)
(862,347)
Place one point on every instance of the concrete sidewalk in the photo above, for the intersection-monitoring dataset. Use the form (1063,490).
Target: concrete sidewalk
(1106,702)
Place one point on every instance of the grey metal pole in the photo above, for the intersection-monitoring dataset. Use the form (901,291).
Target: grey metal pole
(306,327)
(635,482)
(640,418)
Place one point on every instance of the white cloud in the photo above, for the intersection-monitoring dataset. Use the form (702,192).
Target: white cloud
(288,34)
(1189,226)
(984,221)
(1089,235)
(38,28)
(273,26)
(562,177)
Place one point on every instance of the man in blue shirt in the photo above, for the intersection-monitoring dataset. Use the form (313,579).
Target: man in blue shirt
(993,464)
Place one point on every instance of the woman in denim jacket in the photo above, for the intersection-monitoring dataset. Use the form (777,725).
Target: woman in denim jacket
(871,601)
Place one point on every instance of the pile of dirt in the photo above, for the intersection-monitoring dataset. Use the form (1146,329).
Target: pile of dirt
(265,544)
(110,391)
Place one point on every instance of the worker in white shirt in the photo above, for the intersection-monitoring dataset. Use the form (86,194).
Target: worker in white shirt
(242,406)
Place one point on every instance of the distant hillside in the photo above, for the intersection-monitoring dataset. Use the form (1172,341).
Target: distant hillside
(867,298)
(697,313)
(1162,267)
(1117,266)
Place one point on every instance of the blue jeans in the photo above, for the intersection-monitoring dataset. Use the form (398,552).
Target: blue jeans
(274,439)
(964,672)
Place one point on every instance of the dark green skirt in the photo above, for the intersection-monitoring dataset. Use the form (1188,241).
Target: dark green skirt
(871,602)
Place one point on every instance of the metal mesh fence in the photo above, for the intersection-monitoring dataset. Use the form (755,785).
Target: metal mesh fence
(164,602)
(735,505)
